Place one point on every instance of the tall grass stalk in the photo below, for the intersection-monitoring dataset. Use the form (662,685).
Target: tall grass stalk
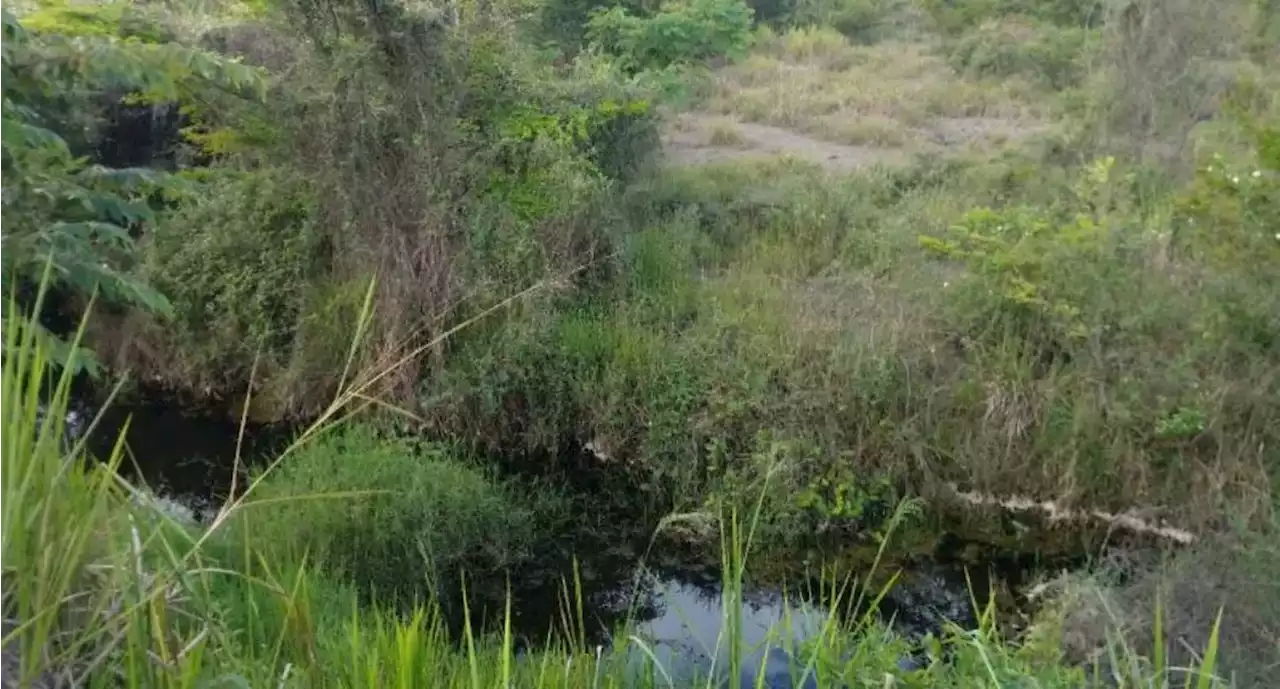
(54,511)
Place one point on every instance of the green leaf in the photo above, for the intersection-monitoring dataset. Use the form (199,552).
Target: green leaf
(16,134)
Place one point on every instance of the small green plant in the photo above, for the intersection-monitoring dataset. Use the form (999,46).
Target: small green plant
(838,496)
(1183,422)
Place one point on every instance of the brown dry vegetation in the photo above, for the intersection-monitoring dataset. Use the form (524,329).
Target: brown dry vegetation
(895,94)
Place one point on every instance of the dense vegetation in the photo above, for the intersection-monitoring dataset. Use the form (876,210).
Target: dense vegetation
(440,235)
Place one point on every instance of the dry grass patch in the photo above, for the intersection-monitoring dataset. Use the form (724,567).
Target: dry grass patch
(1228,573)
(814,81)
(726,133)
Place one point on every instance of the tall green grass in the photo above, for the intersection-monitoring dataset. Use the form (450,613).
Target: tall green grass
(102,590)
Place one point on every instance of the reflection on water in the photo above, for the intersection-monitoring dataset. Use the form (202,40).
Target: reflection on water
(689,639)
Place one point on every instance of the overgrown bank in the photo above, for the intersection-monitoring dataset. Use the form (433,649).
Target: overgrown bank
(1086,315)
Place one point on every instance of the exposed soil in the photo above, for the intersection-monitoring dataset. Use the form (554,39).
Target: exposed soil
(699,139)
(964,131)
(691,141)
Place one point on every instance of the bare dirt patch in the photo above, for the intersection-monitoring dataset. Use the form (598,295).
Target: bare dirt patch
(960,131)
(700,138)
(697,139)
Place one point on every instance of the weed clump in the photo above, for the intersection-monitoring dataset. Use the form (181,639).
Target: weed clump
(400,523)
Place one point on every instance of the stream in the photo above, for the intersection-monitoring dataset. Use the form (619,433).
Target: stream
(675,606)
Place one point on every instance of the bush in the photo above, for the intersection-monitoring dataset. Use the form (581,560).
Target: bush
(393,519)
(106,19)
(1026,263)
(566,21)
(1046,53)
(453,164)
(1229,214)
(772,11)
(240,259)
(679,33)
(1058,298)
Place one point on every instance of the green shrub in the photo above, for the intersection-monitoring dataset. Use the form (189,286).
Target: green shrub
(772,11)
(623,140)
(1020,260)
(566,21)
(453,165)
(393,519)
(679,33)
(1069,13)
(239,259)
(121,19)
(1057,298)
(1046,53)
(1226,220)
(1229,214)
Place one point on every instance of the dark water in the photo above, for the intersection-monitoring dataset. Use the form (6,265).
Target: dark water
(687,634)
(177,453)
(676,606)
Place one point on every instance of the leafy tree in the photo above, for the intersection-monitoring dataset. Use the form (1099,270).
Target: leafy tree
(61,211)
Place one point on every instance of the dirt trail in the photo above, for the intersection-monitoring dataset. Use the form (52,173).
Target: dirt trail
(698,138)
